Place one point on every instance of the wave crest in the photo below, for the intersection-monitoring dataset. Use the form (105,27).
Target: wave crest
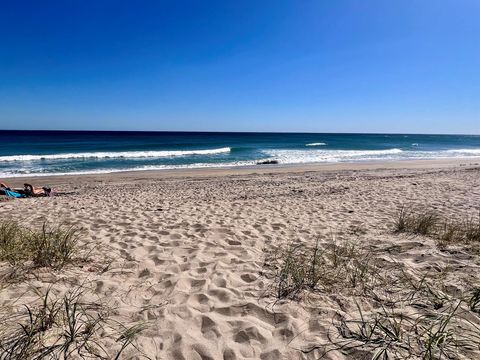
(316,144)
(113,155)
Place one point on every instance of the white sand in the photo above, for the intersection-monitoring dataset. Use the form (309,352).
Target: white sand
(187,250)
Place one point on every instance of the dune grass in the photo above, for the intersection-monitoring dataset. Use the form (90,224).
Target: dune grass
(406,313)
(327,267)
(422,223)
(387,334)
(474,300)
(298,268)
(411,315)
(67,326)
(50,246)
(63,328)
(430,223)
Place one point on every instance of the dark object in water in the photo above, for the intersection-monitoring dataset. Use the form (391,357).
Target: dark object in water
(267,162)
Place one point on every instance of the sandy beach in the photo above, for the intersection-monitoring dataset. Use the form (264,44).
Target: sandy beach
(188,253)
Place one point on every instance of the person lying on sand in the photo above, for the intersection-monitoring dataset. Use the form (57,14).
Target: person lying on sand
(6,190)
(4,186)
(28,190)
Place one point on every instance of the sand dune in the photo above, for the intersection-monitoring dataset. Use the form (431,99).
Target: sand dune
(186,254)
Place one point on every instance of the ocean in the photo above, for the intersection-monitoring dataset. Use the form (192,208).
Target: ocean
(37,153)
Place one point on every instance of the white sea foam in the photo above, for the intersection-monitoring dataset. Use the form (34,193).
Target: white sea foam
(115,155)
(465,151)
(316,144)
(312,156)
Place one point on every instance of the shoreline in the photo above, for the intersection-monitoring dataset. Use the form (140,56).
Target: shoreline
(247,170)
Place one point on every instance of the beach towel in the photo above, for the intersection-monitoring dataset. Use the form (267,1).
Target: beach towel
(11,193)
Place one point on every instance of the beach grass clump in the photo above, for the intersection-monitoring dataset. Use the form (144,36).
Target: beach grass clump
(474,300)
(54,247)
(298,268)
(403,220)
(407,314)
(13,244)
(471,229)
(389,334)
(325,267)
(421,223)
(430,223)
(63,328)
(378,331)
(62,324)
(425,223)
(448,233)
(49,246)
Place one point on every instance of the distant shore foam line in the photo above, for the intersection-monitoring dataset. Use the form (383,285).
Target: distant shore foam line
(331,156)
(113,155)
(335,156)
(316,144)
(334,153)
(465,151)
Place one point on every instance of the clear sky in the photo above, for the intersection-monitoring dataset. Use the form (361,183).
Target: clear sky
(316,66)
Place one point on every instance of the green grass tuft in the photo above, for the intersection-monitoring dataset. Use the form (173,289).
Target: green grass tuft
(63,328)
(430,223)
(50,246)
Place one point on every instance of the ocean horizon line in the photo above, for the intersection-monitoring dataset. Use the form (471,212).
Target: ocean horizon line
(237,132)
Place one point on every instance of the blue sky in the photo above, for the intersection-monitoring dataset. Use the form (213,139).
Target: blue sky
(317,66)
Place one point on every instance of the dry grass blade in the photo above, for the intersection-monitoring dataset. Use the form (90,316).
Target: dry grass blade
(128,336)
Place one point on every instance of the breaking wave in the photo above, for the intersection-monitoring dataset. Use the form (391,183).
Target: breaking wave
(316,144)
(311,156)
(116,155)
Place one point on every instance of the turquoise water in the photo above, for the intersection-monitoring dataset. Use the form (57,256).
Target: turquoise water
(27,153)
